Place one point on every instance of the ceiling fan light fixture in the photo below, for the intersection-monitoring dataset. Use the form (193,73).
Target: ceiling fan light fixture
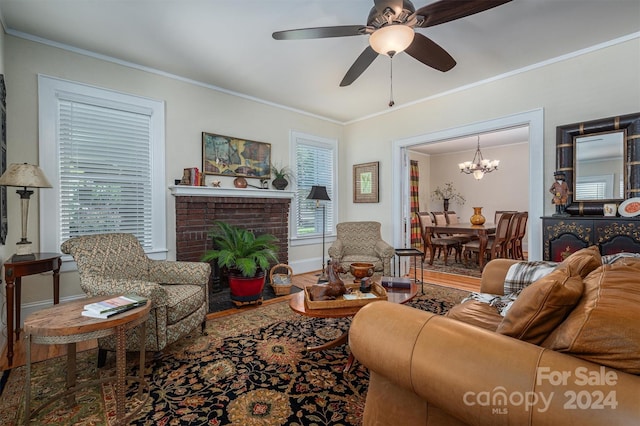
(391,39)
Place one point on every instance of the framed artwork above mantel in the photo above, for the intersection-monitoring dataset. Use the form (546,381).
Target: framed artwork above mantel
(230,156)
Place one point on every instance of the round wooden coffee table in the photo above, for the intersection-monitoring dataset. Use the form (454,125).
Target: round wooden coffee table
(296,303)
(64,324)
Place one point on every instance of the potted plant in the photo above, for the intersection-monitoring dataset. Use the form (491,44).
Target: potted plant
(281,176)
(245,257)
(447,194)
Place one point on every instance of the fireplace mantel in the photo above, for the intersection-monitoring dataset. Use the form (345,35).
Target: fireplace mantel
(261,211)
(209,191)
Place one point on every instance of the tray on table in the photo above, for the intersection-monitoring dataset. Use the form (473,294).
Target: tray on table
(376,289)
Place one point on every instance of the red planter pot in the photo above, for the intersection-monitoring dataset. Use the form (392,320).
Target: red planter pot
(246,290)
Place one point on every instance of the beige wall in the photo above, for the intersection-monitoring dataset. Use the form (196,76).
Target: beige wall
(595,85)
(598,84)
(190,110)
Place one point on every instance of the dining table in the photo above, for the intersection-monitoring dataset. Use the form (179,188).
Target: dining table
(482,231)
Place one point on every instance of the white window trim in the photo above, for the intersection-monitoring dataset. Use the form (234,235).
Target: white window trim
(49,90)
(295,137)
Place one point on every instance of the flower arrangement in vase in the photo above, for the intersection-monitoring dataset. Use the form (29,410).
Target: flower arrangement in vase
(447,194)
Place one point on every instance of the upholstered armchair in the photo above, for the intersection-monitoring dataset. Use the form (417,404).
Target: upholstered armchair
(361,242)
(116,263)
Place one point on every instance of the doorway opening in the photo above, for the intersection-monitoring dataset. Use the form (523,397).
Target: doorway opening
(532,121)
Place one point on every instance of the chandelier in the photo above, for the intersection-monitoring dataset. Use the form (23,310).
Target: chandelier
(479,166)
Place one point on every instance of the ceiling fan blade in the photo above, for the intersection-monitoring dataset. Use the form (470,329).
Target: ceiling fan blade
(362,63)
(319,32)
(448,10)
(430,53)
(395,5)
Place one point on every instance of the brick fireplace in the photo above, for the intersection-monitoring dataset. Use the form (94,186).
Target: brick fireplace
(197,208)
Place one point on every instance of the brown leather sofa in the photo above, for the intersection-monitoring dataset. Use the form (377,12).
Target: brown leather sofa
(427,369)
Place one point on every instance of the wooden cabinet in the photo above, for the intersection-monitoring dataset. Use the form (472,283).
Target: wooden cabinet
(565,235)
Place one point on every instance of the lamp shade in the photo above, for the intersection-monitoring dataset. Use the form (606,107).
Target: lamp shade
(25,175)
(318,193)
(393,38)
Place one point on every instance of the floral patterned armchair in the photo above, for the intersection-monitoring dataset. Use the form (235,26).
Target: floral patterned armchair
(116,263)
(362,242)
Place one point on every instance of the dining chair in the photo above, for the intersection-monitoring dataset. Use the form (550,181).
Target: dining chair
(512,235)
(521,231)
(498,213)
(496,245)
(432,242)
(452,219)
(442,218)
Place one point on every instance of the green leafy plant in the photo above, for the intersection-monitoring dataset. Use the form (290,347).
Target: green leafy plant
(283,172)
(448,192)
(240,250)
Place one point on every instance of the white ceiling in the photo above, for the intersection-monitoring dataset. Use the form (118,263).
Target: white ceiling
(227,44)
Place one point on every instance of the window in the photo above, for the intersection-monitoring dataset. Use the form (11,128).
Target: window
(314,162)
(104,154)
(594,187)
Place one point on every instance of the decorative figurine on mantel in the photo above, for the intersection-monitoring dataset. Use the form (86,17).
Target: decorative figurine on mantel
(560,192)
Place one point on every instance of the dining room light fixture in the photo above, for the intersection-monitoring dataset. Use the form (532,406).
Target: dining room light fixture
(479,166)
(24,176)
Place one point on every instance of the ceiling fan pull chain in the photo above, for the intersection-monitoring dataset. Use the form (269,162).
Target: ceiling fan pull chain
(391,102)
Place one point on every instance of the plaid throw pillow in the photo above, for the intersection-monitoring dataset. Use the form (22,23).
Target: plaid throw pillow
(522,274)
(613,258)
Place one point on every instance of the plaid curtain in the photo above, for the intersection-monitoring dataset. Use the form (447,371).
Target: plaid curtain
(414,178)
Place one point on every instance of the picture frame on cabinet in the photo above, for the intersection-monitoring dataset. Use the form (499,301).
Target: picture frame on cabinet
(610,209)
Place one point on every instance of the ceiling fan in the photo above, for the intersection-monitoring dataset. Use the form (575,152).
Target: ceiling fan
(390,27)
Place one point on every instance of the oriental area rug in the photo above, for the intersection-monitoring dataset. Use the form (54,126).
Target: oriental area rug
(250,369)
(452,267)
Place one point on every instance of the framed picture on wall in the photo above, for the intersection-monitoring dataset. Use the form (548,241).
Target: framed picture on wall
(229,156)
(365,183)
(4,225)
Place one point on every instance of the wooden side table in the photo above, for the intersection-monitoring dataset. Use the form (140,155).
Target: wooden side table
(64,324)
(14,270)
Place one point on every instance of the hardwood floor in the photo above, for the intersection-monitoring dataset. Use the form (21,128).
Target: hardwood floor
(42,352)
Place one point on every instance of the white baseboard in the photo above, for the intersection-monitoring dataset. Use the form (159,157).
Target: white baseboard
(306,265)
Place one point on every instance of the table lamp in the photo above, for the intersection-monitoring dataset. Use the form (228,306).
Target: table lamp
(25,176)
(319,193)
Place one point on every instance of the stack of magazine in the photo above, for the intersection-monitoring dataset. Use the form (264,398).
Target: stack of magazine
(113,306)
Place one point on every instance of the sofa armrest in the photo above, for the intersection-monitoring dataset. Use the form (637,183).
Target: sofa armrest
(493,275)
(478,376)
(179,272)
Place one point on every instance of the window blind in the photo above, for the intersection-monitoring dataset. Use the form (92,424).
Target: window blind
(314,166)
(104,171)
(591,190)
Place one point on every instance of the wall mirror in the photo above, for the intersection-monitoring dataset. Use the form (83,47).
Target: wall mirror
(601,161)
(599,166)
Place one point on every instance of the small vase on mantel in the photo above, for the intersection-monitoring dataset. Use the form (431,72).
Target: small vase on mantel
(477,218)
